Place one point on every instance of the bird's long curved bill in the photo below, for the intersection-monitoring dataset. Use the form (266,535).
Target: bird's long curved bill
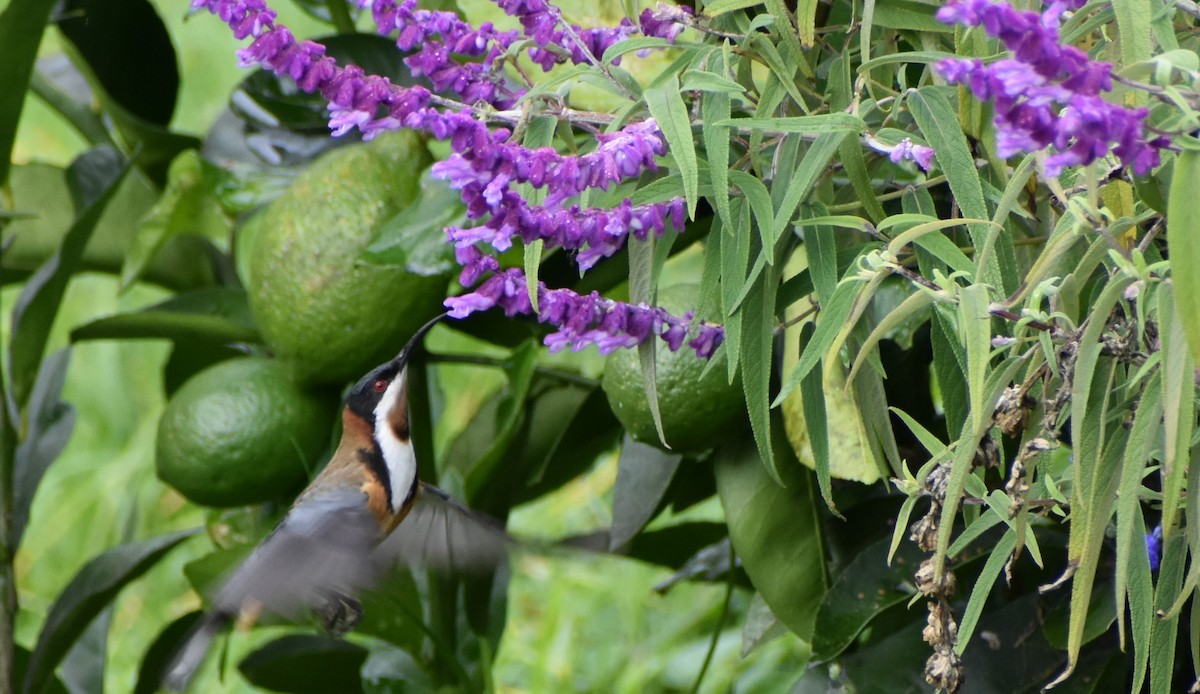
(406,352)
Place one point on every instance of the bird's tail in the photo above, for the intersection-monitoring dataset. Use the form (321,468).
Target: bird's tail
(183,666)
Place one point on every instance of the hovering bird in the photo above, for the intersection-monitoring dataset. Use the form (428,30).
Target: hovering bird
(362,515)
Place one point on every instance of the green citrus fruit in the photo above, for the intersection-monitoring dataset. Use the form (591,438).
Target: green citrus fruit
(241,432)
(698,412)
(327,314)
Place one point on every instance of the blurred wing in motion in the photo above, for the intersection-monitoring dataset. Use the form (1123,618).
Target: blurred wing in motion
(319,554)
(323,546)
(441,534)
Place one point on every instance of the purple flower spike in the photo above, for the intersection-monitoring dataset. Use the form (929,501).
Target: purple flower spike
(1047,94)
(583,320)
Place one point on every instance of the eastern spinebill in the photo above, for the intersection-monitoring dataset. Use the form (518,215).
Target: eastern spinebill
(363,514)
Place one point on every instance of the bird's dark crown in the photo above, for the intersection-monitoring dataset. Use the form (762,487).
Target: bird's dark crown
(369,390)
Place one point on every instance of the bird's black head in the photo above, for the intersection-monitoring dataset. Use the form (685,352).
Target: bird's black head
(366,395)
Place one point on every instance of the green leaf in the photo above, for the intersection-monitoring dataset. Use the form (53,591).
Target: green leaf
(1130,542)
(511,412)
(814,165)
(805,125)
(829,323)
(1133,28)
(188,205)
(735,257)
(866,587)
(758,330)
(35,308)
(415,238)
(775,530)
(997,558)
(720,7)
(1141,606)
(214,315)
(643,475)
(49,423)
(785,27)
(1183,232)
(306,664)
(806,19)
(666,106)
(820,247)
(158,657)
(1178,406)
(975,323)
(851,155)
(910,15)
(759,197)
(642,285)
(1163,632)
(715,107)
(939,124)
(812,401)
(21,27)
(704,81)
(640,43)
(89,592)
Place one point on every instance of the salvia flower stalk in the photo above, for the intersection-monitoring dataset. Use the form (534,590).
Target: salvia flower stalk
(1047,94)
(486,165)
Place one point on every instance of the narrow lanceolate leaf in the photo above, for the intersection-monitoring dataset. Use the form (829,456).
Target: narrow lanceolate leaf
(713,108)
(1163,631)
(812,397)
(1183,232)
(758,328)
(49,424)
(983,586)
(806,21)
(92,589)
(939,124)
(641,290)
(21,26)
(669,111)
(814,164)
(829,323)
(38,303)
(1133,26)
(1141,605)
(759,197)
(975,323)
(1130,541)
(1178,407)
(785,27)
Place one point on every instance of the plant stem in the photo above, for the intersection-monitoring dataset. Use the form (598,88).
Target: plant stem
(8,578)
(716,635)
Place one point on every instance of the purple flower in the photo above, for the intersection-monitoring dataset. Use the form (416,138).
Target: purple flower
(1154,541)
(1047,94)
(905,150)
(584,320)
(485,165)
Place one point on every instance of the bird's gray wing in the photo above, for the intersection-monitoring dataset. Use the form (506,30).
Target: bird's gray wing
(322,547)
(441,534)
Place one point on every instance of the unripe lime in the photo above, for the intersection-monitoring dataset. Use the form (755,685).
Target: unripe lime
(327,314)
(698,411)
(241,432)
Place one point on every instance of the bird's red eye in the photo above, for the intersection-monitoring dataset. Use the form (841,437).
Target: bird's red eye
(380,386)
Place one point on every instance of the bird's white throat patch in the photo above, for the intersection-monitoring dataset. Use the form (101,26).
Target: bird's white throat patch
(398,455)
